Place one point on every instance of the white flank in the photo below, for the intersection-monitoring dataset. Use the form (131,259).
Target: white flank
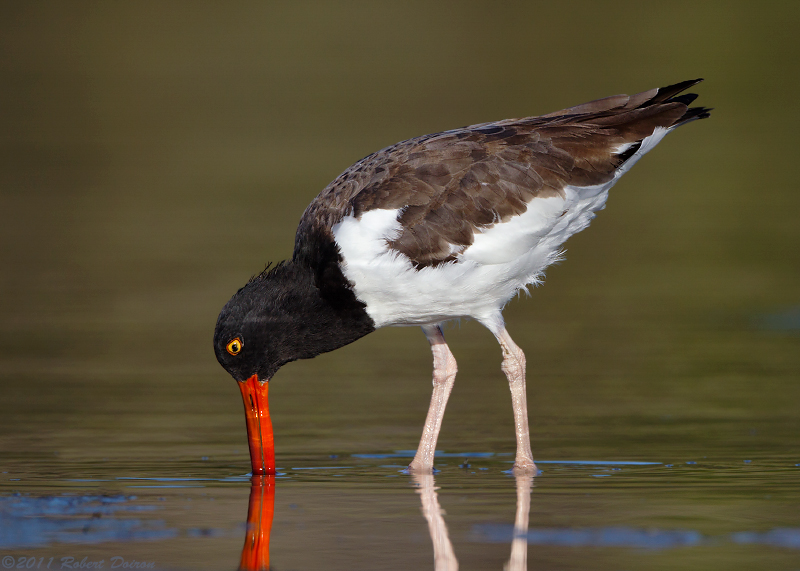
(503,259)
(647,145)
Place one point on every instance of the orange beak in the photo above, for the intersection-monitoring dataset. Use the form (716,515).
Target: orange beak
(259,425)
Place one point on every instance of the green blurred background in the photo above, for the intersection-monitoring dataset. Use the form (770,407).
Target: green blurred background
(154,155)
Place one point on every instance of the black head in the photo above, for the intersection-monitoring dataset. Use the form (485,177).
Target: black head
(248,338)
(240,341)
(281,316)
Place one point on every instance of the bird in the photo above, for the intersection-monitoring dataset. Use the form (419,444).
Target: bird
(440,227)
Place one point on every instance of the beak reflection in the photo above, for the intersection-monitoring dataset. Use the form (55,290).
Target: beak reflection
(260,510)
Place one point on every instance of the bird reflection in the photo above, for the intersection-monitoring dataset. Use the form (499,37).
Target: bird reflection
(261,508)
(255,553)
(444,558)
(519,545)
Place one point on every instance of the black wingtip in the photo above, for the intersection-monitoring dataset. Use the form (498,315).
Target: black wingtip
(673,94)
(669,93)
(680,86)
(695,113)
(686,98)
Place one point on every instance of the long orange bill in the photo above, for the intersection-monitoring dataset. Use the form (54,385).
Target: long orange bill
(255,553)
(259,425)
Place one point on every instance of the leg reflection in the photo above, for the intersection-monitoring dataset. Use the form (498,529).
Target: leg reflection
(444,558)
(255,553)
(519,545)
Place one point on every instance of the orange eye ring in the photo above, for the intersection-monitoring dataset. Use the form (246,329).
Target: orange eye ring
(234,346)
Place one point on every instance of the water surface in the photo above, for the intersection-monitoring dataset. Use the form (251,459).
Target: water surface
(154,156)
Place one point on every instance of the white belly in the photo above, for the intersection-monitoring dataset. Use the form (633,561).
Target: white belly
(486,275)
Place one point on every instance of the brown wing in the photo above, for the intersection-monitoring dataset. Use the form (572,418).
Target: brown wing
(453,183)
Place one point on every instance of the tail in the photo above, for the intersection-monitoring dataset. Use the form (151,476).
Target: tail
(620,105)
(628,126)
(666,102)
(670,94)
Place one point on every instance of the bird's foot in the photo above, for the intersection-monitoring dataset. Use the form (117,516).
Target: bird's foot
(525,466)
(419,468)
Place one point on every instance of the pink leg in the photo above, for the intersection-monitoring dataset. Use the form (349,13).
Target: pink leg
(514,368)
(444,375)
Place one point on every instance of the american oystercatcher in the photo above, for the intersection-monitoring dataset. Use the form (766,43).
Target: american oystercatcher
(438,227)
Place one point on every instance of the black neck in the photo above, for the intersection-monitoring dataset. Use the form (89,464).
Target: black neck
(308,311)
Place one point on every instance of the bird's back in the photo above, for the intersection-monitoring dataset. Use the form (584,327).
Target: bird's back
(488,205)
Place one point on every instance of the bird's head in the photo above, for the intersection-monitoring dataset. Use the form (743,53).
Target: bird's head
(280,316)
(242,339)
(256,332)
(247,345)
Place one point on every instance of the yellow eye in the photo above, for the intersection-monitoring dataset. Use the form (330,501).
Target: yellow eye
(234,346)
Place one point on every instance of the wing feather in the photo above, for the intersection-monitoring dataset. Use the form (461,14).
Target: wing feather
(453,184)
